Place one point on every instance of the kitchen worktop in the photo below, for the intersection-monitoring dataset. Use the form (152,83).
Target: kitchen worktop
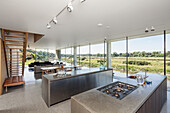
(73,73)
(57,88)
(94,101)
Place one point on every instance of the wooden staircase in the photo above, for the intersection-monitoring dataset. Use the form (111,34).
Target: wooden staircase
(15,43)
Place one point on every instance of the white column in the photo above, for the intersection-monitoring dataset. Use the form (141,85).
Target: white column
(58,54)
(109,54)
(75,55)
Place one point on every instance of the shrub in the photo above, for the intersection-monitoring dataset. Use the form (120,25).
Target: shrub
(137,63)
(83,58)
(168,63)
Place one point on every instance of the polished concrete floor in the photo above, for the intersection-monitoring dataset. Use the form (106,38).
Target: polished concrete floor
(27,99)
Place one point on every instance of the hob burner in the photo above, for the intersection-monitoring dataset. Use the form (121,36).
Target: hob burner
(118,89)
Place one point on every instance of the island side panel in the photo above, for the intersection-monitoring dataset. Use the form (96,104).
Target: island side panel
(45,90)
(65,88)
(156,101)
(77,108)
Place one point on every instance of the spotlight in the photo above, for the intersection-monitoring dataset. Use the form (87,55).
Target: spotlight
(48,26)
(146,30)
(82,1)
(152,28)
(55,20)
(70,7)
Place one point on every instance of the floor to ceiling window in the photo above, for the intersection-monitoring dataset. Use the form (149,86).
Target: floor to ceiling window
(84,56)
(97,55)
(30,56)
(69,55)
(168,55)
(52,55)
(78,55)
(146,54)
(39,55)
(42,54)
(62,54)
(118,61)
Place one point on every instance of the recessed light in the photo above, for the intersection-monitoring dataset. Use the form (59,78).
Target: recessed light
(108,27)
(100,24)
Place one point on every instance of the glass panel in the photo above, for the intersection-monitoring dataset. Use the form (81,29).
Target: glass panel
(41,55)
(30,56)
(168,56)
(52,55)
(84,56)
(146,54)
(62,54)
(118,62)
(68,54)
(97,55)
(78,55)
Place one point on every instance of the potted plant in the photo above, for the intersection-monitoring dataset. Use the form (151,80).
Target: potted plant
(102,65)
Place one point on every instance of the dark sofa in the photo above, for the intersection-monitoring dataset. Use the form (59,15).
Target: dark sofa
(40,64)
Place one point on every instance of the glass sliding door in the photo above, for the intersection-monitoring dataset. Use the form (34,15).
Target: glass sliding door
(118,61)
(146,54)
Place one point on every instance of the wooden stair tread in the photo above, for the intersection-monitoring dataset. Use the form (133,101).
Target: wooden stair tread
(15,44)
(14,36)
(9,40)
(15,51)
(13,31)
(14,48)
(15,80)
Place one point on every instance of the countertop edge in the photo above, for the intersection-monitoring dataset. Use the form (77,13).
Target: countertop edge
(77,74)
(140,104)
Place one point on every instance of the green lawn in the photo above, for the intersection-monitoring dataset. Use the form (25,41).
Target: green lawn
(156,64)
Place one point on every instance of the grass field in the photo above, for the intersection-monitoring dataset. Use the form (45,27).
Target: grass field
(156,64)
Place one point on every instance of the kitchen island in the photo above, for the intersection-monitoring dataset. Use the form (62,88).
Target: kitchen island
(57,88)
(145,99)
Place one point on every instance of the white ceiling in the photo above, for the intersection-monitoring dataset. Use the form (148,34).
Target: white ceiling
(125,18)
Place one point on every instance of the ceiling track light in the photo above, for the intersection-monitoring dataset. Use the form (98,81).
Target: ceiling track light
(69,7)
(81,1)
(48,26)
(152,28)
(146,30)
(55,20)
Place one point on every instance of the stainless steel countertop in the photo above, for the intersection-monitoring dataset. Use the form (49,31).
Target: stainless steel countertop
(98,102)
(75,73)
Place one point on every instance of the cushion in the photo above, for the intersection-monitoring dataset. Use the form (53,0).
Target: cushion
(15,80)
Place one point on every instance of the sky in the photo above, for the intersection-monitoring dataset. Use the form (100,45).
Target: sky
(147,44)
